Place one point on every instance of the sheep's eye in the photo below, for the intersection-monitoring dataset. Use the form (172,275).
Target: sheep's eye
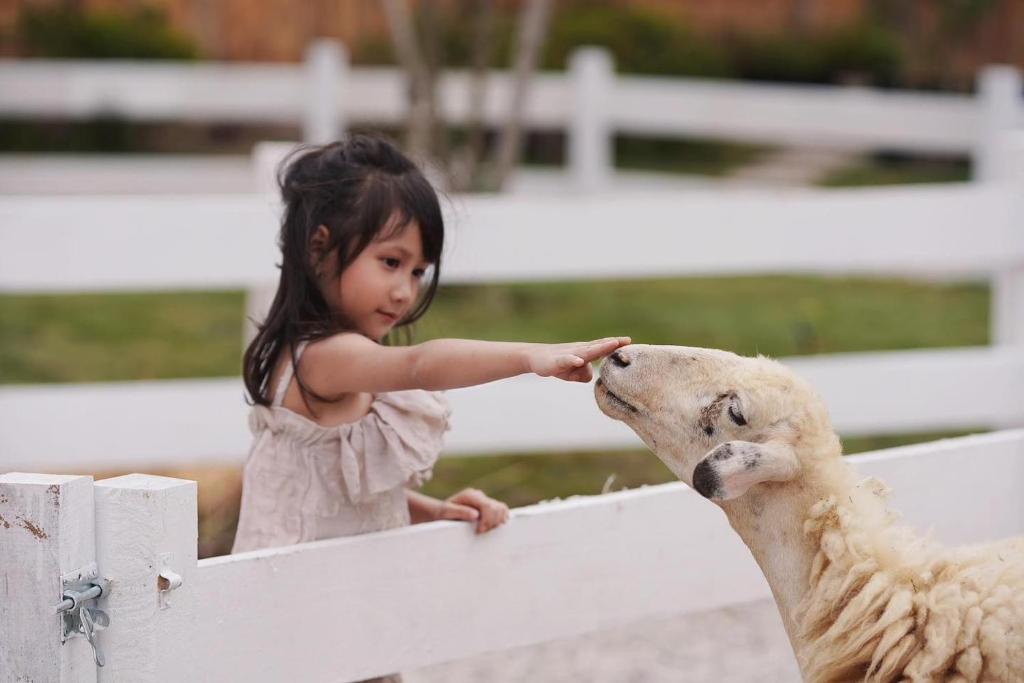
(736,416)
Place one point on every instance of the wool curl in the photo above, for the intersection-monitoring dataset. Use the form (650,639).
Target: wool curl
(885,605)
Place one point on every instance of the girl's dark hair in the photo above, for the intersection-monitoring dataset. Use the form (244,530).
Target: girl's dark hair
(357,188)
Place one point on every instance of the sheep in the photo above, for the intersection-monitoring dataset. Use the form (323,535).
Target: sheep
(861,598)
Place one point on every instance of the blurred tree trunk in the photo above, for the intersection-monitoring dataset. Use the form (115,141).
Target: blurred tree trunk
(421,76)
(466,163)
(533,24)
(418,50)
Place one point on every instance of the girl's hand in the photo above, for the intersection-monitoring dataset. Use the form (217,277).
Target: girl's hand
(571,362)
(472,505)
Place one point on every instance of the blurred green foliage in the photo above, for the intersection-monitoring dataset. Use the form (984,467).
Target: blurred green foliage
(863,53)
(644,41)
(684,155)
(108,134)
(69,32)
(66,31)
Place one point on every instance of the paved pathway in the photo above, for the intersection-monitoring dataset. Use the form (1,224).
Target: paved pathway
(736,644)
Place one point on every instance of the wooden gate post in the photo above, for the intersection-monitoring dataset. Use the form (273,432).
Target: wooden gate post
(146,538)
(46,535)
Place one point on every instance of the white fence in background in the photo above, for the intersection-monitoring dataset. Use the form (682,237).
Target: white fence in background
(361,606)
(67,245)
(325,95)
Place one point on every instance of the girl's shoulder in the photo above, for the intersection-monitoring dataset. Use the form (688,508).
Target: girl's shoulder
(321,358)
(336,346)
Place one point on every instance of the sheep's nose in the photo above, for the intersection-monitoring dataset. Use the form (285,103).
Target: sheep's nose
(619,359)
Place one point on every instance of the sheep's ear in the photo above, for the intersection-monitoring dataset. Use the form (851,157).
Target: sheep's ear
(731,468)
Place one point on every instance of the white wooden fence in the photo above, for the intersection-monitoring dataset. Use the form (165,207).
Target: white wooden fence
(589,102)
(354,607)
(66,244)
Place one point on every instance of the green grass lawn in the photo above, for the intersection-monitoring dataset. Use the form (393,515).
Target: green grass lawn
(85,338)
(897,170)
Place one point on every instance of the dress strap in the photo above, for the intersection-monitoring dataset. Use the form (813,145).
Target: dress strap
(286,374)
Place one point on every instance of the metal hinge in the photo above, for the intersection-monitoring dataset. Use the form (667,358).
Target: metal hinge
(79,614)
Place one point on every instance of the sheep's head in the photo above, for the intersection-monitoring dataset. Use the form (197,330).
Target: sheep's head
(721,422)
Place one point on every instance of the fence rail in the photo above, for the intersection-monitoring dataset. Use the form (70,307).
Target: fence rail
(176,423)
(223,242)
(589,101)
(412,597)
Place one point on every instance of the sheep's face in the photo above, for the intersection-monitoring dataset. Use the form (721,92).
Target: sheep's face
(721,422)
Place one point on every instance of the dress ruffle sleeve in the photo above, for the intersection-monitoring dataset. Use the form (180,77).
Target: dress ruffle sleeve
(395,444)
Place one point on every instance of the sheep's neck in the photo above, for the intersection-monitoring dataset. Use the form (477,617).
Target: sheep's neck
(770,522)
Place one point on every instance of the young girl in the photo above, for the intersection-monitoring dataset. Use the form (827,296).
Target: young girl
(344,426)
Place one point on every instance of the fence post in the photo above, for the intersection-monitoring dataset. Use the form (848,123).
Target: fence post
(146,539)
(591,136)
(326,73)
(1008,283)
(46,533)
(1002,111)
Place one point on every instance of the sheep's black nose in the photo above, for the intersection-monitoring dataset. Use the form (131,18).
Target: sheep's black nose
(619,359)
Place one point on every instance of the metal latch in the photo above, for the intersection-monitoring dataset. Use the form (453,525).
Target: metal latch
(79,614)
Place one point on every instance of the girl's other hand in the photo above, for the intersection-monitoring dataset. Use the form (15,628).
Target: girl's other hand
(472,505)
(571,362)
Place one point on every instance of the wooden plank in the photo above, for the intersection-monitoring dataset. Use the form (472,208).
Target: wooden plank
(46,532)
(154,91)
(145,526)
(418,596)
(225,242)
(795,114)
(844,117)
(402,599)
(138,425)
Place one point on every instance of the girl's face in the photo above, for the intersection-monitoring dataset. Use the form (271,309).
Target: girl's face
(382,284)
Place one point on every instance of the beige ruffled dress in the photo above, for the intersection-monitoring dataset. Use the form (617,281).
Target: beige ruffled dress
(306,482)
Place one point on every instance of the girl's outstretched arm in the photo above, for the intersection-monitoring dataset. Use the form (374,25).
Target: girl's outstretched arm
(350,362)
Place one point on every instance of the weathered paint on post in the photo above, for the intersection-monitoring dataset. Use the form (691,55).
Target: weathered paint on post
(46,532)
(146,537)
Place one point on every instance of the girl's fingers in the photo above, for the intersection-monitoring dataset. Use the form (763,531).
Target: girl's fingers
(493,515)
(582,374)
(621,341)
(597,349)
(569,361)
(461,513)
